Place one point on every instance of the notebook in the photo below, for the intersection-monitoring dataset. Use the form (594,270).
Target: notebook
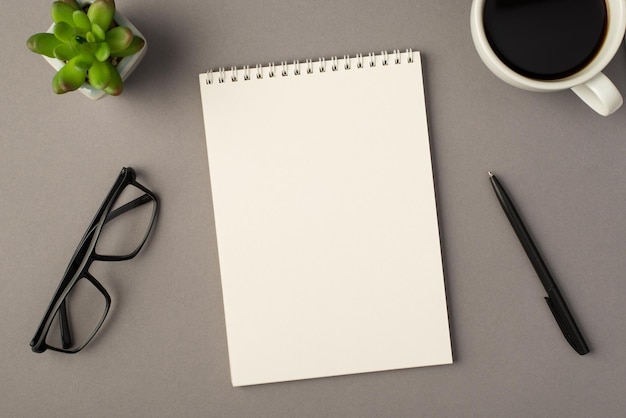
(325,217)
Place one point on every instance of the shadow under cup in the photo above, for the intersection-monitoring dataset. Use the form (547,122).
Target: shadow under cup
(545,39)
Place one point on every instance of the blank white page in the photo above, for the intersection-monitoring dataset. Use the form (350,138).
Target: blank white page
(325,218)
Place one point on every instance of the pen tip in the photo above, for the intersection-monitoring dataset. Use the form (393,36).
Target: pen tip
(490,173)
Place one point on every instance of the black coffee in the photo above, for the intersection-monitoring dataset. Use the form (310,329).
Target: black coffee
(545,39)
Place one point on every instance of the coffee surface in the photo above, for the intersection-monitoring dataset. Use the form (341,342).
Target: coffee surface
(545,39)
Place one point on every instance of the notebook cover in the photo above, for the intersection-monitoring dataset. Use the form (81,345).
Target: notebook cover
(325,218)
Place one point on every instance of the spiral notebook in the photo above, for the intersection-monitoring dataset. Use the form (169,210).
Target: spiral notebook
(325,217)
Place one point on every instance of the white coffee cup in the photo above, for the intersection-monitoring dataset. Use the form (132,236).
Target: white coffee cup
(589,83)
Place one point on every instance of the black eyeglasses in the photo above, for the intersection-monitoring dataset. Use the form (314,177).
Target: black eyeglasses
(80,303)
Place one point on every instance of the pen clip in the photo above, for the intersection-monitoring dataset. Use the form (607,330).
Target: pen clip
(567,332)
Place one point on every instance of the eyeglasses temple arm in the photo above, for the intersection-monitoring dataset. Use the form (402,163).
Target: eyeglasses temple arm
(141,200)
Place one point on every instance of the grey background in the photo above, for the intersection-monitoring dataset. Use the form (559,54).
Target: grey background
(163,349)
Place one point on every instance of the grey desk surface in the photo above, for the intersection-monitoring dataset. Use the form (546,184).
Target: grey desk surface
(163,350)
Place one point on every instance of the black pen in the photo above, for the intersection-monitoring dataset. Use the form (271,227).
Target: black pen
(555,300)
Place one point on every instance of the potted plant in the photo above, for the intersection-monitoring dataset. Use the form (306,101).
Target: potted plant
(91,45)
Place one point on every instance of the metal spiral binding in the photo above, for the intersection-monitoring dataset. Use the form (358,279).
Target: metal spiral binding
(372,58)
(385,59)
(322,62)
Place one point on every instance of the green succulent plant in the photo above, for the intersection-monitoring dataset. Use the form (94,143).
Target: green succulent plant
(89,43)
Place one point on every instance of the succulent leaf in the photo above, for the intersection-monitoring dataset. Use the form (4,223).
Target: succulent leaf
(68,78)
(64,52)
(84,62)
(98,32)
(81,20)
(73,3)
(103,52)
(43,43)
(116,85)
(101,13)
(62,12)
(100,75)
(63,31)
(119,38)
(135,46)
(80,46)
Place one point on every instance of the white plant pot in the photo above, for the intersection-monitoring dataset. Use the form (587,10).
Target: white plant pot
(125,66)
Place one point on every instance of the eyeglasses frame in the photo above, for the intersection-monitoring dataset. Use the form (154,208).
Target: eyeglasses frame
(84,256)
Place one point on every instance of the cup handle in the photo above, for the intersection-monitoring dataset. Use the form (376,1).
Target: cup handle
(600,94)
